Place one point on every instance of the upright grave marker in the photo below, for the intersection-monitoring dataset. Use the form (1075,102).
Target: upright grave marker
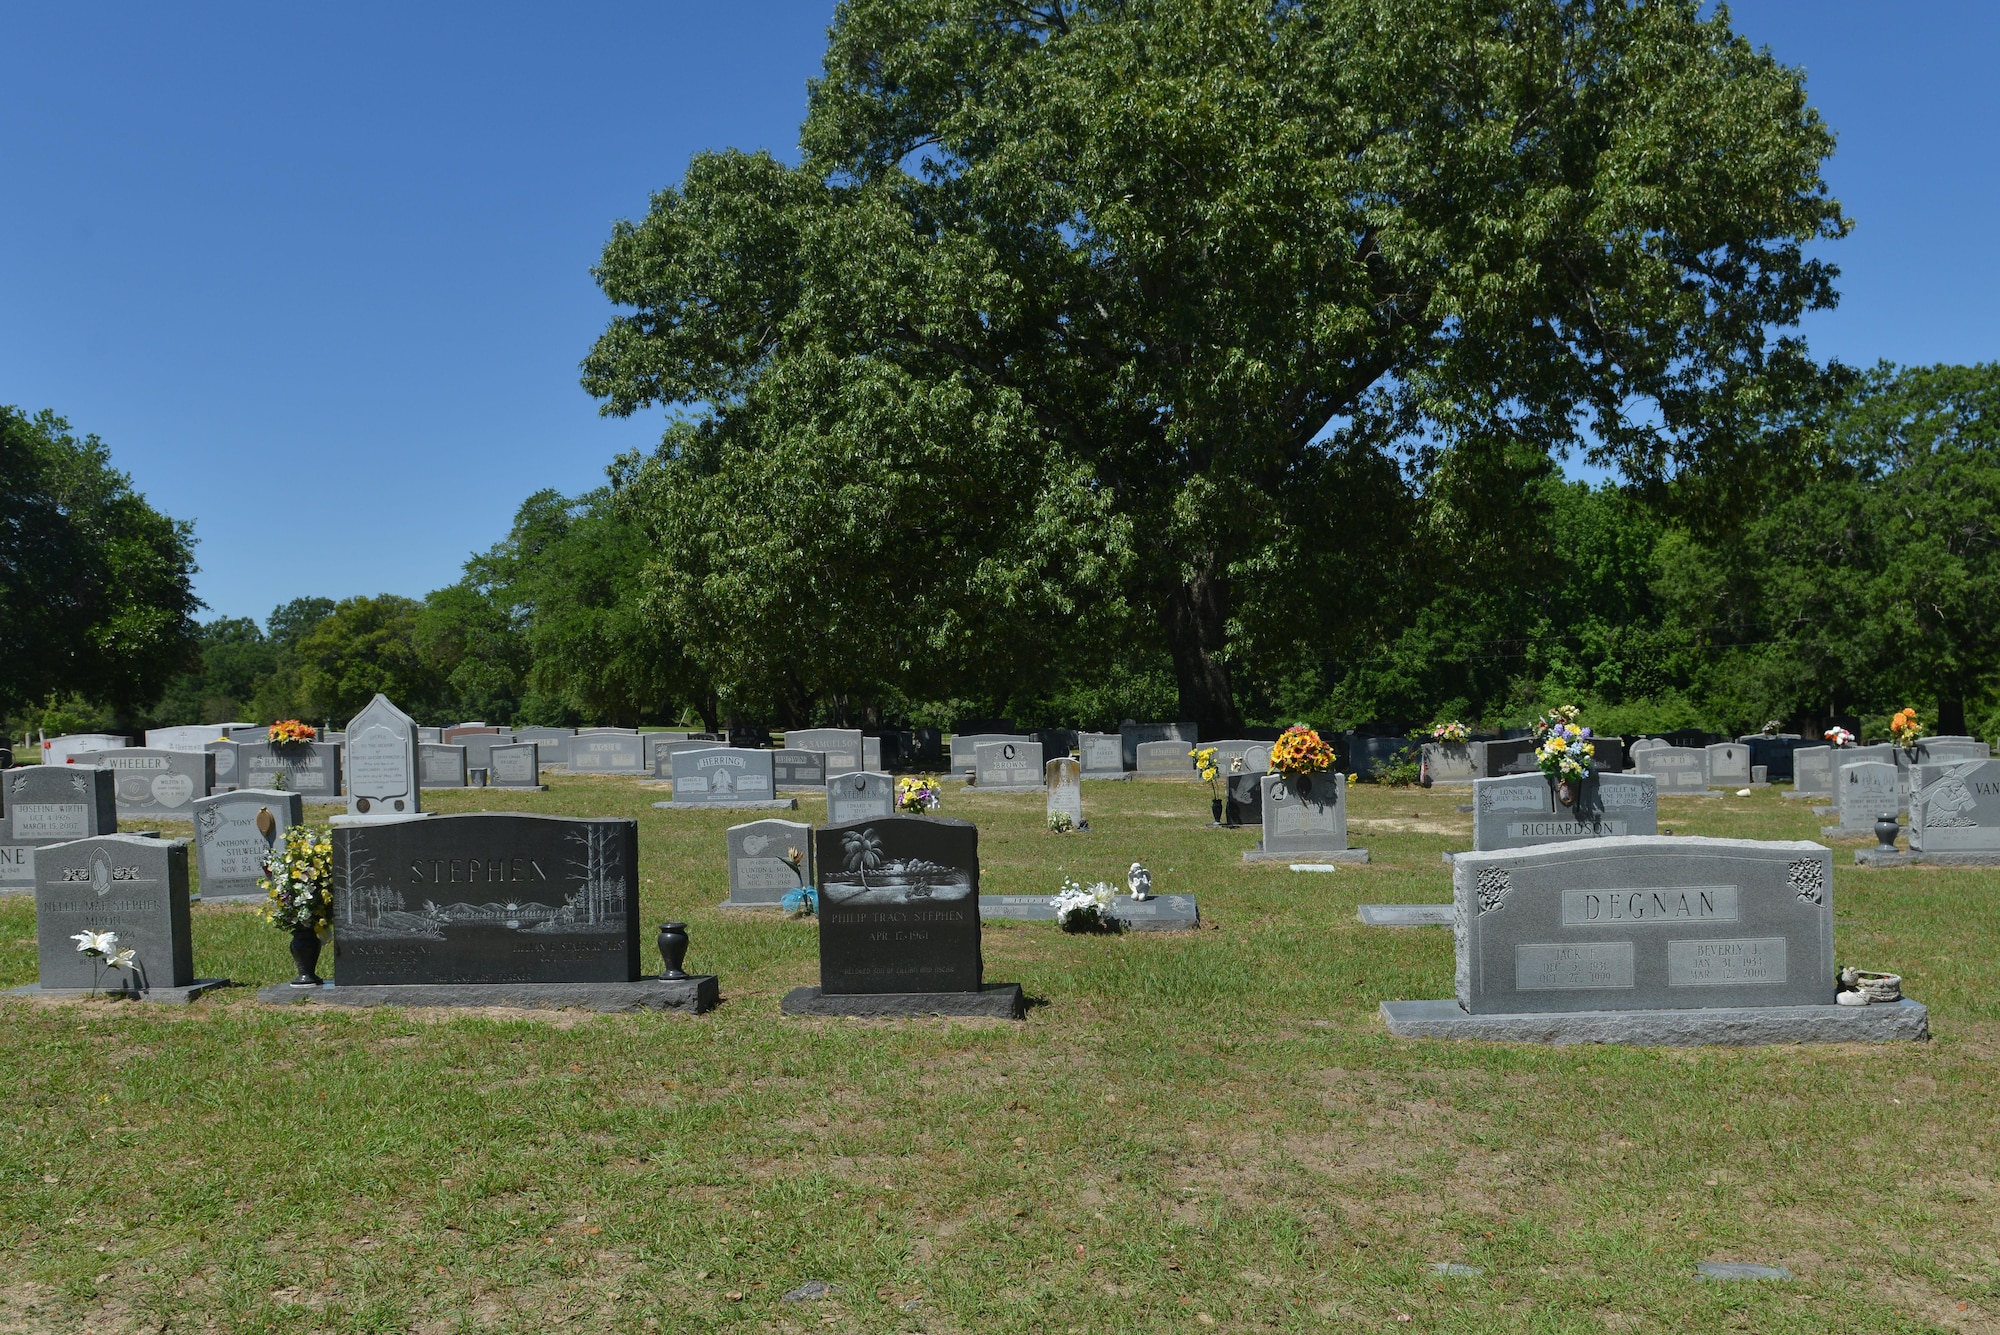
(1729,765)
(1681,770)
(554,743)
(1103,755)
(1164,760)
(593,752)
(843,746)
(382,763)
(1955,812)
(725,778)
(132,886)
(768,859)
(154,782)
(233,833)
(1449,762)
(310,769)
(1064,778)
(859,796)
(1521,810)
(1305,820)
(965,749)
(792,768)
(1008,767)
(1134,735)
(1867,790)
(225,765)
(515,765)
(440,765)
(50,804)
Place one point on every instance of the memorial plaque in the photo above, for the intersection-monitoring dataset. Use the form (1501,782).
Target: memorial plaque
(1955,807)
(1063,778)
(965,749)
(1680,769)
(310,769)
(607,753)
(1521,810)
(51,804)
(515,765)
(1002,765)
(768,859)
(792,768)
(1639,923)
(899,906)
(440,765)
(720,775)
(1103,754)
(232,834)
(153,782)
(1866,791)
(1449,762)
(123,883)
(382,761)
(859,796)
(488,897)
(1307,815)
(1131,736)
(842,746)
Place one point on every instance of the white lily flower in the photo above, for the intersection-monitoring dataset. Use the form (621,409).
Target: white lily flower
(95,943)
(122,960)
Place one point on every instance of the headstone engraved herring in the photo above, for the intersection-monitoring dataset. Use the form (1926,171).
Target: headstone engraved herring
(1008,767)
(382,763)
(768,859)
(1305,820)
(859,796)
(1063,777)
(1521,810)
(126,884)
(727,779)
(1865,792)
(154,782)
(233,833)
(50,804)
(1640,939)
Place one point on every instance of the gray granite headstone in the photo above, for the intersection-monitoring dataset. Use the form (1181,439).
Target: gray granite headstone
(554,743)
(1521,810)
(50,804)
(1729,765)
(720,775)
(607,753)
(1943,750)
(1005,765)
(843,746)
(156,782)
(792,768)
(310,769)
(859,796)
(1103,754)
(515,765)
(479,747)
(664,749)
(64,750)
(1063,777)
(1866,791)
(225,764)
(1307,815)
(1640,923)
(1812,769)
(871,754)
(899,906)
(1449,762)
(430,735)
(232,834)
(1134,735)
(1164,760)
(195,738)
(1955,807)
(440,765)
(123,883)
(965,749)
(382,762)
(762,868)
(1680,769)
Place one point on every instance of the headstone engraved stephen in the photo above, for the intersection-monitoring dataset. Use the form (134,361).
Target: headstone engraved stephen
(1865,791)
(793,768)
(382,762)
(1521,810)
(155,782)
(440,765)
(310,769)
(123,883)
(1305,818)
(1955,808)
(842,746)
(768,859)
(899,906)
(233,833)
(50,804)
(1729,764)
(1064,778)
(859,796)
(488,897)
(1680,769)
(607,753)
(1103,755)
(1008,766)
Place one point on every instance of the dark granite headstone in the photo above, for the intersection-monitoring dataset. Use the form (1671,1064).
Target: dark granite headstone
(310,769)
(487,897)
(1134,735)
(929,746)
(232,834)
(899,905)
(123,883)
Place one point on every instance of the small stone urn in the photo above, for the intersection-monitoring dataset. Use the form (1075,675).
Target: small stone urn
(1885,832)
(305,954)
(673,944)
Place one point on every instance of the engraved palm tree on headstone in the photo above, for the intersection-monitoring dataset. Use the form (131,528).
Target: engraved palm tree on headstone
(864,853)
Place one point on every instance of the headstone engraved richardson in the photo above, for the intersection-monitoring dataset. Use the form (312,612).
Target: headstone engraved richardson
(233,832)
(899,922)
(1865,791)
(1729,765)
(1063,778)
(607,753)
(440,765)
(382,763)
(768,859)
(50,804)
(225,765)
(1681,770)
(1521,810)
(1955,812)
(842,746)
(725,778)
(1103,755)
(491,909)
(133,886)
(1305,821)
(1008,767)
(791,768)
(1656,940)
(859,796)
(310,769)
(515,765)
(153,782)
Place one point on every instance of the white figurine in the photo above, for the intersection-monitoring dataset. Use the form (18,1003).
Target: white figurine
(1140,881)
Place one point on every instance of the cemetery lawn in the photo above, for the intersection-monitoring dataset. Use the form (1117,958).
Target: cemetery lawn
(1197,1131)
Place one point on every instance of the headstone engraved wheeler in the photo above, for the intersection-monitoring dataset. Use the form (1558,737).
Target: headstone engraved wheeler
(792,768)
(842,746)
(725,778)
(1729,764)
(859,796)
(492,908)
(133,887)
(1864,792)
(768,859)
(50,804)
(899,922)
(1305,820)
(1063,777)
(1639,939)
(1681,770)
(1955,812)
(515,765)
(154,782)
(1008,767)
(382,775)
(234,832)
(607,753)
(310,769)
(1522,810)
(1103,755)
(440,765)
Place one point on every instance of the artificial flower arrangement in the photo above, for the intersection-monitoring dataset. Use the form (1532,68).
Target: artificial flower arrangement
(1840,737)
(1299,753)
(291,732)
(1773,726)
(1081,910)
(1564,750)
(1906,727)
(1204,765)
(918,797)
(1452,733)
(298,879)
(102,947)
(802,902)
(1060,823)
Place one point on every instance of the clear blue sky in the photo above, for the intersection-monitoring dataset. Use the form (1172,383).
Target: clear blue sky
(319,275)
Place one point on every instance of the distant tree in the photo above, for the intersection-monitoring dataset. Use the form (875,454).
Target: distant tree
(236,659)
(364,646)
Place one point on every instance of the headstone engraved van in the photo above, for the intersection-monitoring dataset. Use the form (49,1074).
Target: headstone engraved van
(1134,735)
(126,884)
(225,765)
(1648,940)
(965,749)
(843,746)
(1955,810)
(899,922)
(515,765)
(1522,810)
(859,796)
(440,765)
(310,769)
(607,753)
(1164,760)
(1729,765)
(1449,762)
(792,768)
(153,782)
(1008,767)
(50,804)
(233,832)
(1680,769)
(1866,791)
(382,762)
(1063,778)
(724,777)
(768,859)
(1305,820)
(554,744)
(1103,755)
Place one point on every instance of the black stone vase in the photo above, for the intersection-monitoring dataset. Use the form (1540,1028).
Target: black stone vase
(673,944)
(305,953)
(1886,829)
(1215,809)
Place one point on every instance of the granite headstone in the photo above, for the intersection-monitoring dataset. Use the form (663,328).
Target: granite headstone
(842,746)
(1729,764)
(515,765)
(1134,735)
(721,776)
(1103,755)
(50,804)
(791,768)
(1307,815)
(232,834)
(899,906)
(1004,766)
(1680,769)
(1063,778)
(1955,808)
(859,795)
(124,883)
(1867,789)
(607,753)
(1522,810)
(310,769)
(382,762)
(152,782)
(768,859)
(440,765)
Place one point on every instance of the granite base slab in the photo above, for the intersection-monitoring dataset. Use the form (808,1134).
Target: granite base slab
(1882,857)
(386,818)
(999,1000)
(1406,915)
(1304,855)
(254,897)
(765,804)
(1729,1026)
(1007,788)
(171,996)
(1842,832)
(1796,796)
(694,995)
(1105,778)
(1161,913)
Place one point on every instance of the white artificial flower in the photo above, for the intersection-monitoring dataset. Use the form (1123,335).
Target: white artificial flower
(122,960)
(95,943)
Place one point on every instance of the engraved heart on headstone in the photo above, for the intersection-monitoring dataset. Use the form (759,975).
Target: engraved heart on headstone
(753,844)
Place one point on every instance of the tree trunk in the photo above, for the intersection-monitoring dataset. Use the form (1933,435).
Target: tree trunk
(1193,618)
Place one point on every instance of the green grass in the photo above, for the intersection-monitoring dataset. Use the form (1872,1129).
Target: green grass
(1195,1131)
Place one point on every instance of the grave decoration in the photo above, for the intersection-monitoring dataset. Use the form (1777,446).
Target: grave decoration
(1906,728)
(50,804)
(298,883)
(1839,737)
(1564,751)
(233,834)
(1209,771)
(492,909)
(1447,754)
(1081,909)
(769,861)
(1299,753)
(1140,911)
(123,892)
(1650,940)
(899,922)
(917,796)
